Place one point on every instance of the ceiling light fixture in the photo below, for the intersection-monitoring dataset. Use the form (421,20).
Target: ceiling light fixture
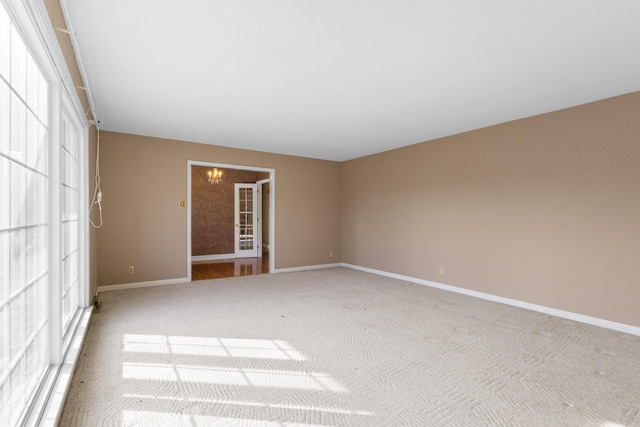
(215,176)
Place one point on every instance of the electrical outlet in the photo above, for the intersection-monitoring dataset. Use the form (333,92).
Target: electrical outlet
(330,254)
(131,269)
(441,271)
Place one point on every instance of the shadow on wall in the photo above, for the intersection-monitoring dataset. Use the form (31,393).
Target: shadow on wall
(212,209)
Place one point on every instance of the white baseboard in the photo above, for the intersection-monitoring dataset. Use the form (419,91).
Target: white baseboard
(108,288)
(212,257)
(620,327)
(307,267)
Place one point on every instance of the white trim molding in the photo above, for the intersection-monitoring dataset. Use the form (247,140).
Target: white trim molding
(620,327)
(108,288)
(212,257)
(307,267)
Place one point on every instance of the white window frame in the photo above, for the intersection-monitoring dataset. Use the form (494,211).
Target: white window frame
(32,21)
(82,185)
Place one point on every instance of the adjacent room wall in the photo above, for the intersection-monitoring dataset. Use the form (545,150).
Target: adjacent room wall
(212,209)
(144,179)
(544,210)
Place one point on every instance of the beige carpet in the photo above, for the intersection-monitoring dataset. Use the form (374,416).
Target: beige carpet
(344,348)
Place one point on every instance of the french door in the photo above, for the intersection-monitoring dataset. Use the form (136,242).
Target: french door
(246,221)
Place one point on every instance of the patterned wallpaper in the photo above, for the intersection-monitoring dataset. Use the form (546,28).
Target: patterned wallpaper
(212,209)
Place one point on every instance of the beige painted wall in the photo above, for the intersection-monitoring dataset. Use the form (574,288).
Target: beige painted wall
(58,21)
(544,210)
(144,179)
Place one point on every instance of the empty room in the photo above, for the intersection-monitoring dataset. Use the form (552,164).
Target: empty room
(319,213)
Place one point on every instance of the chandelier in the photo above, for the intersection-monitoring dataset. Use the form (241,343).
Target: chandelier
(215,176)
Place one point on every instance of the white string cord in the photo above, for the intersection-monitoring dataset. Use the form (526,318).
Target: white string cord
(97,193)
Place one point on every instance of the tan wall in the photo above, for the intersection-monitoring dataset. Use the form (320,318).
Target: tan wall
(57,20)
(144,179)
(212,209)
(544,210)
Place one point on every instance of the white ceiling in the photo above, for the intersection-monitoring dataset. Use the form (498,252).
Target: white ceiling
(340,79)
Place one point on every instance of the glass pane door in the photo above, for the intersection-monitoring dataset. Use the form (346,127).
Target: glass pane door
(245,220)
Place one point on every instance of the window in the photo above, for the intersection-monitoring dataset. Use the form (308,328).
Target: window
(24,224)
(70,244)
(41,149)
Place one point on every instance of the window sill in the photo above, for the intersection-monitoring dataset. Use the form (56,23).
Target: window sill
(48,406)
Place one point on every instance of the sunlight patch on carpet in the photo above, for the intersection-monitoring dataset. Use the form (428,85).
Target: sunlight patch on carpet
(231,376)
(206,346)
(261,405)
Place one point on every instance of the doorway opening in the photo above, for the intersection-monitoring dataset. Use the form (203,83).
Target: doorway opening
(215,219)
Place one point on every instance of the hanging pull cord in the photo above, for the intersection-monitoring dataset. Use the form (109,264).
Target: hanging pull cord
(97,193)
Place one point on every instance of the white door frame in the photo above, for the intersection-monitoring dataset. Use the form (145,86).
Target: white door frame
(272,207)
(260,207)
